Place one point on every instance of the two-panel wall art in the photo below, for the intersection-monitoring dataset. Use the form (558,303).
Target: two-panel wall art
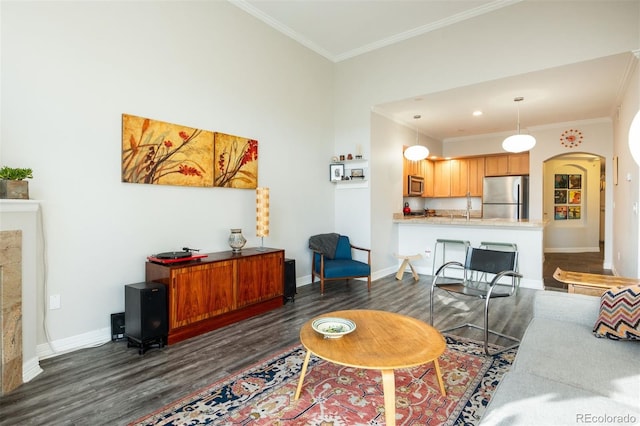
(161,153)
(567,196)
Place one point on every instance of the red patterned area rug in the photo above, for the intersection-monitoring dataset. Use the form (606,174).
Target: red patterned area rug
(335,395)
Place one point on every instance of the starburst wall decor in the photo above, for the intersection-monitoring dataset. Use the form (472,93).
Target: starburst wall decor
(571,138)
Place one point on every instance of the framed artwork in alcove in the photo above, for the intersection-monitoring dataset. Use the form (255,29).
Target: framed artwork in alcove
(575,181)
(560,196)
(560,213)
(561,181)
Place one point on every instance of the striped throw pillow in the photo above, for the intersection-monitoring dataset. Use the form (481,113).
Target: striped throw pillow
(619,317)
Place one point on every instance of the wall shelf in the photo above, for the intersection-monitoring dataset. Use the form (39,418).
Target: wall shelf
(351,183)
(360,166)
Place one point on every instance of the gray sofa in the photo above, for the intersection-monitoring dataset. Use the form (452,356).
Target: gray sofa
(564,375)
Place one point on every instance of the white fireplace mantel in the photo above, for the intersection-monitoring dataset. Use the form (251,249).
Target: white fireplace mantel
(24,215)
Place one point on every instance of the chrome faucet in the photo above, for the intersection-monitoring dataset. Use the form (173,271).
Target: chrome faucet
(468,213)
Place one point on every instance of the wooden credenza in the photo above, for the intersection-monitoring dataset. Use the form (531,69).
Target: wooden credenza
(220,289)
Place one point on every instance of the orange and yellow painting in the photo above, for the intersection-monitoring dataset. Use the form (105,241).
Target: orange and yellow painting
(156,152)
(236,161)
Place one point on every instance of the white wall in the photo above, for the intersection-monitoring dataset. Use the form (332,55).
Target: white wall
(497,45)
(70,69)
(625,195)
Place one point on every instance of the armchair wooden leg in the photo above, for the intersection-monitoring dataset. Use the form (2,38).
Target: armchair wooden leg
(322,285)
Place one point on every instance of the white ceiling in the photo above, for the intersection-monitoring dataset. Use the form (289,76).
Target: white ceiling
(341,29)
(581,91)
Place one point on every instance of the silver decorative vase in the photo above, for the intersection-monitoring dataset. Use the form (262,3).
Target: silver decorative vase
(236,240)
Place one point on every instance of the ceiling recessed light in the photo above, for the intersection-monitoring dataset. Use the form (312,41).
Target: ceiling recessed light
(477,113)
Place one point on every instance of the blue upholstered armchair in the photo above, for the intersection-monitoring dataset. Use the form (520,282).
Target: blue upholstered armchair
(332,260)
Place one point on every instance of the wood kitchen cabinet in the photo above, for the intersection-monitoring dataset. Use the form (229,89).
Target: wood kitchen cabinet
(476,176)
(442,178)
(219,289)
(409,168)
(507,164)
(458,178)
(454,178)
(422,168)
(427,173)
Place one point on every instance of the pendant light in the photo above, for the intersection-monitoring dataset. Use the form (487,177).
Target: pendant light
(416,152)
(518,142)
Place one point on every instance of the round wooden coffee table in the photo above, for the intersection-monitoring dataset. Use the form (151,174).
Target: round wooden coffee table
(381,341)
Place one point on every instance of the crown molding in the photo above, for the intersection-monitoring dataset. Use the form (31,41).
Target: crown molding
(463,16)
(472,13)
(279,26)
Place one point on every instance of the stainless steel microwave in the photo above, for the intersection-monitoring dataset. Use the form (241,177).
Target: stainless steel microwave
(415,185)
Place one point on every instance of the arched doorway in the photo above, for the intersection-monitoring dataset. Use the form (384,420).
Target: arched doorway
(574,204)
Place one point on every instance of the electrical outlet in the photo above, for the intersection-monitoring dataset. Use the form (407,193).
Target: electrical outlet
(428,253)
(54,301)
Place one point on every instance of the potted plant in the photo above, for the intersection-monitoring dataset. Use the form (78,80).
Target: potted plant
(13,184)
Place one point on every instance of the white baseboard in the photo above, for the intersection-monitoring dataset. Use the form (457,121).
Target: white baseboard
(73,343)
(306,280)
(30,369)
(384,272)
(572,249)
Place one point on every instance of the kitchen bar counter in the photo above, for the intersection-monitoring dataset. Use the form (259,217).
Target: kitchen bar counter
(462,221)
(418,234)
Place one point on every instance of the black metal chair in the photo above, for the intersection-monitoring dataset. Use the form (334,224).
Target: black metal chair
(493,245)
(487,274)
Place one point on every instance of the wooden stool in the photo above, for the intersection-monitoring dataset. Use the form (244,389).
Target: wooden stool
(406,260)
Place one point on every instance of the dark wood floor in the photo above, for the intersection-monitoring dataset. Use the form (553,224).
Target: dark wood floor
(113,385)
(591,262)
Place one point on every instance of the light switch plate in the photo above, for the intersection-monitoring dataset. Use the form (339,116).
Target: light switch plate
(54,301)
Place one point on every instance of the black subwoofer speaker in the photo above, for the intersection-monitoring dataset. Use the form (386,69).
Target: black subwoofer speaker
(145,314)
(117,326)
(289,280)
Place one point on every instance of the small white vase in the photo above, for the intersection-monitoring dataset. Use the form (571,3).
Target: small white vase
(236,240)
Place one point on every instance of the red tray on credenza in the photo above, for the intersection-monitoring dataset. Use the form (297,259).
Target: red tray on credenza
(180,259)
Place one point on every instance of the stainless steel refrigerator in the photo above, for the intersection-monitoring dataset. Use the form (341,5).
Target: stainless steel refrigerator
(505,197)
